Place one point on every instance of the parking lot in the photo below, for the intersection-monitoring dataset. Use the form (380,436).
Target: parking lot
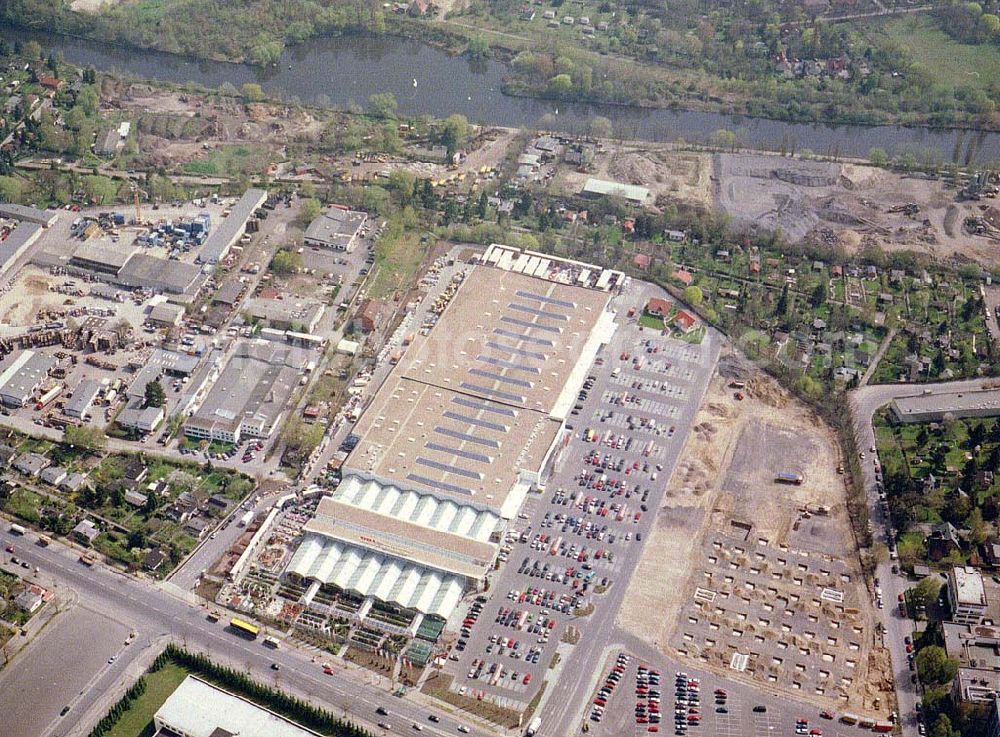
(575,543)
(641,697)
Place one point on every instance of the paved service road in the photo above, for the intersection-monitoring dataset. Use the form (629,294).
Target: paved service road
(157,616)
(864,403)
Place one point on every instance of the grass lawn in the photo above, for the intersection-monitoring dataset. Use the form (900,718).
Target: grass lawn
(139,717)
(651,321)
(396,261)
(230,160)
(950,62)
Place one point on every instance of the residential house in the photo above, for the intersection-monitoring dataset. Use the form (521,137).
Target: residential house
(73,482)
(53,475)
(196,526)
(684,321)
(942,541)
(29,600)
(642,261)
(684,277)
(367,317)
(86,531)
(966,595)
(135,471)
(657,307)
(135,498)
(154,559)
(31,464)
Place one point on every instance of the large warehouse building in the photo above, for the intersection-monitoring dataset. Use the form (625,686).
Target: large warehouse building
(454,439)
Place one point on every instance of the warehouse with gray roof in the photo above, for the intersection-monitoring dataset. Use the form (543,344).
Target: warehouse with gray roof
(83,398)
(937,406)
(21,374)
(224,237)
(337,228)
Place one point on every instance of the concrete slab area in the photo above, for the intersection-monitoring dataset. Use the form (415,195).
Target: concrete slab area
(44,678)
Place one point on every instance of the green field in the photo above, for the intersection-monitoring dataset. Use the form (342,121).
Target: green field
(950,62)
(139,718)
(230,161)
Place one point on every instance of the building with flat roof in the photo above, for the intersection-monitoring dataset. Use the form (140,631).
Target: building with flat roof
(336,228)
(199,709)
(603,188)
(288,313)
(21,374)
(17,242)
(166,314)
(100,258)
(143,271)
(224,237)
(935,406)
(248,398)
(452,441)
(966,595)
(27,214)
(141,419)
(172,363)
(83,398)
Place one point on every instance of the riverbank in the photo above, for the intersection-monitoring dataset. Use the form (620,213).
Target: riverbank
(596,79)
(343,72)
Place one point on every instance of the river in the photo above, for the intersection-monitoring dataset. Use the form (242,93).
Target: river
(344,71)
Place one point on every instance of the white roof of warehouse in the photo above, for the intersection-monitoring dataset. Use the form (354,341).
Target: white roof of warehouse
(383,577)
(198,709)
(421,509)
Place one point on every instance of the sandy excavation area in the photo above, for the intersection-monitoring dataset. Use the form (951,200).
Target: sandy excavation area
(724,495)
(849,205)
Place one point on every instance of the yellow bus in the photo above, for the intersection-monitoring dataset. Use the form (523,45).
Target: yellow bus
(245,628)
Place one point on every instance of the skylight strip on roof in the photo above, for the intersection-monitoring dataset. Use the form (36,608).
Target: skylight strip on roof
(516,351)
(438,484)
(469,437)
(546,300)
(485,406)
(459,452)
(501,378)
(530,325)
(493,392)
(449,468)
(475,421)
(509,364)
(540,313)
(520,336)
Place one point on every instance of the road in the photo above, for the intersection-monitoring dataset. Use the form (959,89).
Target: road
(156,616)
(865,401)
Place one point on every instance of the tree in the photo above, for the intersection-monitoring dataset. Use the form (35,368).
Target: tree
(310,210)
(878,157)
(154,395)
(693,295)
(561,85)
(252,92)
(819,293)
(942,727)
(925,592)
(383,105)
(935,667)
(89,438)
(454,132)
(782,307)
(286,262)
(478,47)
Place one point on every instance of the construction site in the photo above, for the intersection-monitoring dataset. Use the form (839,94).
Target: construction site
(748,552)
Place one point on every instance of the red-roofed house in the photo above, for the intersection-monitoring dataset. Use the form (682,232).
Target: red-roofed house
(50,83)
(684,277)
(642,261)
(684,321)
(658,307)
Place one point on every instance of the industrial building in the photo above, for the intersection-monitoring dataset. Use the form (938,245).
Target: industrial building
(460,430)
(285,314)
(20,376)
(166,314)
(603,188)
(248,398)
(17,242)
(101,259)
(83,398)
(337,228)
(936,406)
(129,268)
(199,709)
(224,237)
(45,218)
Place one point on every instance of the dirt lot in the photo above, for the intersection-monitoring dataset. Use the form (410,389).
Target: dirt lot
(724,489)
(847,205)
(684,177)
